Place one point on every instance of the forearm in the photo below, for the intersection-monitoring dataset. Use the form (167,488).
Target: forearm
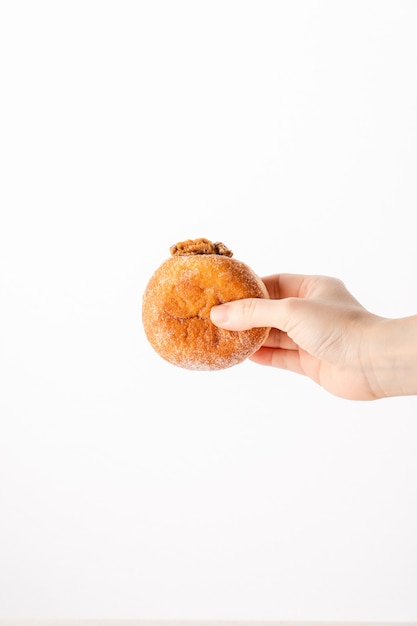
(394,357)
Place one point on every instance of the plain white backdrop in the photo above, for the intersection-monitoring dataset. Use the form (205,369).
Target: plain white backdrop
(130,488)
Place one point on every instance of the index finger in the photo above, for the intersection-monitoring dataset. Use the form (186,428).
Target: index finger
(285,285)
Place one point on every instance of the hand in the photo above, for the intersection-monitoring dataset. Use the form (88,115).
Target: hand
(320,330)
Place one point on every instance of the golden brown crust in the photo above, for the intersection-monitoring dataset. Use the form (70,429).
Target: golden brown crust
(176,310)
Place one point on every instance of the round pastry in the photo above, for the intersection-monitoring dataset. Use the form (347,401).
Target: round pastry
(178,299)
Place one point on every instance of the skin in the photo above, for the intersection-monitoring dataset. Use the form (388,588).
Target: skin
(320,330)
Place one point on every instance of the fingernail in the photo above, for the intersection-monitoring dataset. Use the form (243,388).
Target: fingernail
(219,314)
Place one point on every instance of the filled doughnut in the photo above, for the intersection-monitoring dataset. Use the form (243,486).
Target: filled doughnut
(177,302)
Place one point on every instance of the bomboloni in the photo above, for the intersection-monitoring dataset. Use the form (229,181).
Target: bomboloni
(178,298)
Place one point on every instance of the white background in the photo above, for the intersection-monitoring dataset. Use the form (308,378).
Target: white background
(130,488)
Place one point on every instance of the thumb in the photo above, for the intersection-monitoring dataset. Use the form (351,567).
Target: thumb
(249,313)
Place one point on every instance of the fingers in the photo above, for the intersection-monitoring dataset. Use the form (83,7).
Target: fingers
(292,298)
(297,361)
(281,286)
(244,314)
(286,285)
(253,313)
(283,359)
(279,339)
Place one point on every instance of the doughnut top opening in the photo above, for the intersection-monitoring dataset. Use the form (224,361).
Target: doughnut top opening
(200,246)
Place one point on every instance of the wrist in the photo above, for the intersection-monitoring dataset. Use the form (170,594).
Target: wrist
(394,357)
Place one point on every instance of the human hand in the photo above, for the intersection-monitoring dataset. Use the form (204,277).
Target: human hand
(320,330)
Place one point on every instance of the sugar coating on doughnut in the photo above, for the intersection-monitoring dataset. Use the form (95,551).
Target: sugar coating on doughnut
(176,309)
